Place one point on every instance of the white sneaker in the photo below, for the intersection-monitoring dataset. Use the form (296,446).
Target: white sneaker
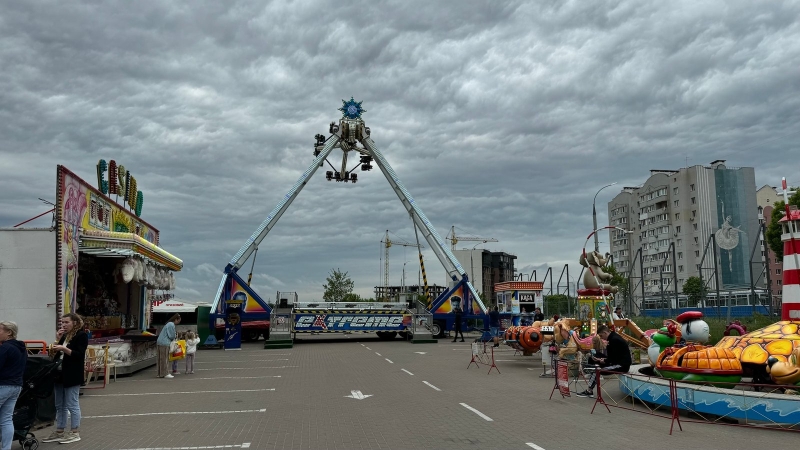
(168,376)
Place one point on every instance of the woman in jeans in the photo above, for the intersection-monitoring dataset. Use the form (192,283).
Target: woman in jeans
(12,364)
(165,338)
(71,350)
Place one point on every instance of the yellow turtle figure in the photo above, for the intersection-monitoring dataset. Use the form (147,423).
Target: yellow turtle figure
(754,349)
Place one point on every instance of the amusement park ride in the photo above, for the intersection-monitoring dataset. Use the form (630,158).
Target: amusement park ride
(352,136)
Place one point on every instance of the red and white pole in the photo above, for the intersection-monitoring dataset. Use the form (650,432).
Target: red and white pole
(791,267)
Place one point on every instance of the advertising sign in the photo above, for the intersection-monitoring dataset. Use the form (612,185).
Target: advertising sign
(233,329)
(562,377)
(352,322)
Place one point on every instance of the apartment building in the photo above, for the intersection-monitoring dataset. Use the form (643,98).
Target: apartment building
(485,268)
(683,208)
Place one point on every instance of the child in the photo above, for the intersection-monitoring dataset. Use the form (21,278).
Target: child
(191,348)
(181,337)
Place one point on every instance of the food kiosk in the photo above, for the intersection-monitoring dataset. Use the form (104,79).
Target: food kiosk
(110,263)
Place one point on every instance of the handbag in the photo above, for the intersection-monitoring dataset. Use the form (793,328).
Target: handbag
(179,352)
(172,346)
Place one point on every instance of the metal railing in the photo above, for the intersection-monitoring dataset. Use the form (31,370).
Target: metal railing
(280,324)
(421,325)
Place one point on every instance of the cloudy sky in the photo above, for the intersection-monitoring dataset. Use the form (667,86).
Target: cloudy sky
(501,118)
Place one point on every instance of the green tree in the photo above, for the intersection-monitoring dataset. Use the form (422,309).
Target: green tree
(774,230)
(338,286)
(619,281)
(557,304)
(694,290)
(352,297)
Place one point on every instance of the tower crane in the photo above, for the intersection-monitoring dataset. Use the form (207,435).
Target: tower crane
(388,242)
(455,239)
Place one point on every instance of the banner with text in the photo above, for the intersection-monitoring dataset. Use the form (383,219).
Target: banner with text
(352,322)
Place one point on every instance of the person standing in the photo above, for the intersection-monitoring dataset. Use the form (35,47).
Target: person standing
(71,351)
(537,315)
(494,325)
(165,338)
(191,348)
(617,314)
(458,313)
(13,357)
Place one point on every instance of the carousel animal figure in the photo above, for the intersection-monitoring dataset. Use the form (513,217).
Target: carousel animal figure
(545,323)
(595,278)
(662,339)
(693,327)
(785,372)
(577,344)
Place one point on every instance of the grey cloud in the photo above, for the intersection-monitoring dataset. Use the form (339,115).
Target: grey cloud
(502,118)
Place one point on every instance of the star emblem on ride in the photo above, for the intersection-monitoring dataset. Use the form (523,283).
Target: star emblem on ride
(352,109)
(351,132)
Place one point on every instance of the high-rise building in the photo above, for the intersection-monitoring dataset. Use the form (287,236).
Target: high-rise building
(485,268)
(684,208)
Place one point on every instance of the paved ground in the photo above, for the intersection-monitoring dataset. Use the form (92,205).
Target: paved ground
(406,397)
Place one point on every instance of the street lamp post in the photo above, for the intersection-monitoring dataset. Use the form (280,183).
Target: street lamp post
(594,215)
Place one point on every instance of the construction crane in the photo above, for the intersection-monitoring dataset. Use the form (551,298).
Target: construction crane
(387,243)
(455,239)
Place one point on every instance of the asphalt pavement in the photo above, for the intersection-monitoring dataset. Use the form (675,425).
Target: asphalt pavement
(357,392)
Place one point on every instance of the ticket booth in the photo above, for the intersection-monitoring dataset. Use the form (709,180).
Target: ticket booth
(519,298)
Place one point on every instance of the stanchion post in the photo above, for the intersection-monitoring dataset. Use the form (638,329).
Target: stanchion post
(493,364)
(673,399)
(555,380)
(599,391)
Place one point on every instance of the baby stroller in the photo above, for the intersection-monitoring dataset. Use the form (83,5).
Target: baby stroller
(35,402)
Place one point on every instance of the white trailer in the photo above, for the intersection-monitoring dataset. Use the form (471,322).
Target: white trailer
(28,282)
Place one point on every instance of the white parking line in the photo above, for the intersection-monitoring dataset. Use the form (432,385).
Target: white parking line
(532,445)
(248,368)
(378,354)
(245,445)
(483,416)
(433,386)
(404,370)
(176,413)
(205,378)
(390,361)
(369,348)
(246,361)
(173,393)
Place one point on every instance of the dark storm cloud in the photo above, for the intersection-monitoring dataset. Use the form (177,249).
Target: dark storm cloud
(502,118)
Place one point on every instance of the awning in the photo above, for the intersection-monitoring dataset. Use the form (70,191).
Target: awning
(120,245)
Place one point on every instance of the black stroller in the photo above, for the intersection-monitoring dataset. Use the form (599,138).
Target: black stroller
(36,400)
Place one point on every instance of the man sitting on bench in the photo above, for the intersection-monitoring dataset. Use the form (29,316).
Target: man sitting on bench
(618,359)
